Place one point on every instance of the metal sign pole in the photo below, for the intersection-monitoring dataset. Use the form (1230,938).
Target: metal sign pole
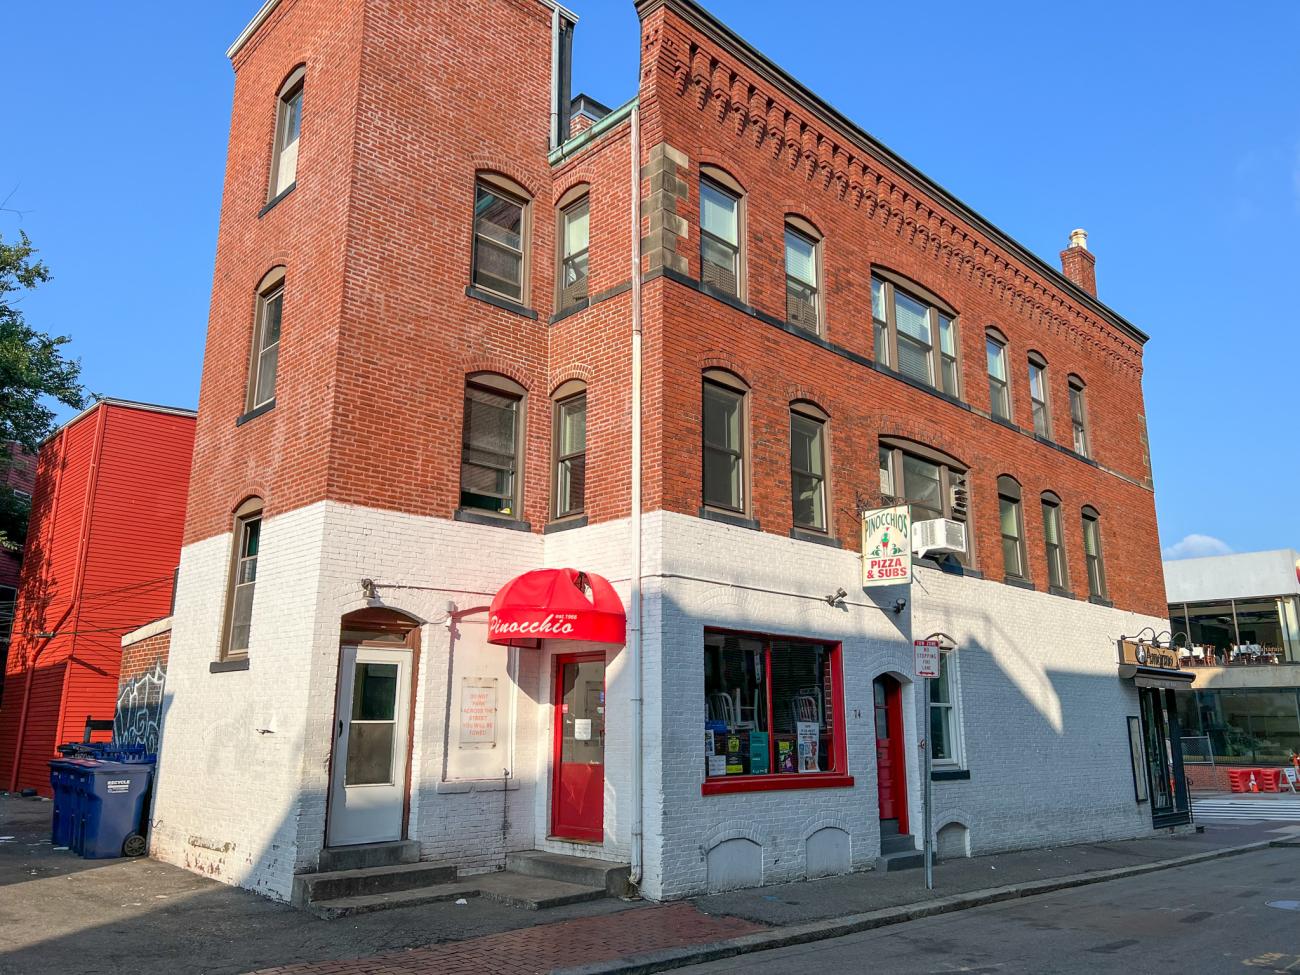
(929,833)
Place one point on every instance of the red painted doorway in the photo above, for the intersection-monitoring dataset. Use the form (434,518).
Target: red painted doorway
(578,778)
(891,764)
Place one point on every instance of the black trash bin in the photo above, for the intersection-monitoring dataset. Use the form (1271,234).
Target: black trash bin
(113,808)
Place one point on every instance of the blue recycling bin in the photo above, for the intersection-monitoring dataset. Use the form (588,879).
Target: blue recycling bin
(112,800)
(64,778)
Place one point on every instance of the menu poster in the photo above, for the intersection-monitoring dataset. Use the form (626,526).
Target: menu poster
(808,734)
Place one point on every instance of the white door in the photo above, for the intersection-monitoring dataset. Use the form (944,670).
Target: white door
(372,716)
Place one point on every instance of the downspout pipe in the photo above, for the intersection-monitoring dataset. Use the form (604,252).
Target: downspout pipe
(555,77)
(634,643)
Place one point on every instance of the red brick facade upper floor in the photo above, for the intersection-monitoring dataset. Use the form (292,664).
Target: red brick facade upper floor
(441,299)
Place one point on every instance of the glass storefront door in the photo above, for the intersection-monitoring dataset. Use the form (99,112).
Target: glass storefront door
(1164,760)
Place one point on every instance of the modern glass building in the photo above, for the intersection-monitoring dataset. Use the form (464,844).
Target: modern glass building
(1236,621)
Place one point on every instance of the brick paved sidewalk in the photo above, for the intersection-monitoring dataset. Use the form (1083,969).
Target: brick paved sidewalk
(535,950)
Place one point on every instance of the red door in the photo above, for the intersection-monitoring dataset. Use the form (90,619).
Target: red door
(578,787)
(890,764)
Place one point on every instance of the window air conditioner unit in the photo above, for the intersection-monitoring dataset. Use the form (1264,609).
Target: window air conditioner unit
(938,535)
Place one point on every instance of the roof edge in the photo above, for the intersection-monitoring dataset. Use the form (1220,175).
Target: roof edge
(269,6)
(126,404)
(724,36)
(146,631)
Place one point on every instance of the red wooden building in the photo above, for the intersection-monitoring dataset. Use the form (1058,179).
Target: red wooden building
(100,558)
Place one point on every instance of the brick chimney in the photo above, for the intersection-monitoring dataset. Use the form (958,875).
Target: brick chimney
(1078,264)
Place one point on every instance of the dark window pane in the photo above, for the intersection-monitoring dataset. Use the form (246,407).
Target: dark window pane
(370,754)
(374,692)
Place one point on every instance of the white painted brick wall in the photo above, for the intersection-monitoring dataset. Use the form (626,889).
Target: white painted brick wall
(243,772)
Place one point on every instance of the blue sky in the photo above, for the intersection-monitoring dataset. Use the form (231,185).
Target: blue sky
(1170,131)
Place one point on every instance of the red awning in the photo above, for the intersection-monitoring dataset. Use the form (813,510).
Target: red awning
(557,604)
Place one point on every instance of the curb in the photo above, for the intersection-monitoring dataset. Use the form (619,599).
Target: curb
(796,934)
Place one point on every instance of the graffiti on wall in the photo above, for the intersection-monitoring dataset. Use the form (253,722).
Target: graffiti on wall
(139,709)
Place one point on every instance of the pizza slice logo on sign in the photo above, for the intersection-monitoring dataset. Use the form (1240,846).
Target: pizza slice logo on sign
(887,546)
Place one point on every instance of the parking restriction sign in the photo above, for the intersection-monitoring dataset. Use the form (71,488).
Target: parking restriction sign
(927,657)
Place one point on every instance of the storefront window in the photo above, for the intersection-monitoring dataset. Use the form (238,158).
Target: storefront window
(1240,631)
(771,707)
(1241,727)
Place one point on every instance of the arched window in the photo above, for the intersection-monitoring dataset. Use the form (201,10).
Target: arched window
(931,483)
(574,235)
(725,439)
(1057,571)
(808,467)
(569,438)
(265,360)
(492,446)
(1079,416)
(1092,553)
(501,231)
(722,232)
(916,332)
(1012,525)
(1039,397)
(243,578)
(803,300)
(288,124)
(995,347)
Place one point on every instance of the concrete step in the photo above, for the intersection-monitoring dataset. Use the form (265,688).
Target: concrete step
(534,893)
(581,871)
(889,827)
(333,884)
(898,843)
(891,862)
(368,855)
(364,904)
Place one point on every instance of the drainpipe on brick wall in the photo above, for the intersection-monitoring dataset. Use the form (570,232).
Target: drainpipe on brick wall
(634,598)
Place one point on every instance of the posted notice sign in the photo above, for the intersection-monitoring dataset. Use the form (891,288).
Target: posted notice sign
(887,547)
(927,657)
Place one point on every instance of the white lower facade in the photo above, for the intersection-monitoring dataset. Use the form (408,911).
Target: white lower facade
(1039,728)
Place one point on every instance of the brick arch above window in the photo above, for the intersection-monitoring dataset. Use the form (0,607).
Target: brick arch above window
(575,192)
(248,504)
(494,364)
(292,79)
(805,226)
(915,288)
(1008,486)
(727,377)
(574,374)
(722,176)
(511,177)
(809,408)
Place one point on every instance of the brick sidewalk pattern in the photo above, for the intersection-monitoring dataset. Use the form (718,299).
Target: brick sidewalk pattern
(531,951)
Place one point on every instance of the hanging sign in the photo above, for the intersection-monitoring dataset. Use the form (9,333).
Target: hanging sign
(926,653)
(887,547)
(1148,655)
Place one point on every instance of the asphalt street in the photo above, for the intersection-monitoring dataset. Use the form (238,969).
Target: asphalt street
(1213,917)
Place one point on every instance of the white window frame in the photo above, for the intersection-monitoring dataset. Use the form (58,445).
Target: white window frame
(290,91)
(956,725)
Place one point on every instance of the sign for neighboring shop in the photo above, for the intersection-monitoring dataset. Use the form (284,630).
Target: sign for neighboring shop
(1147,655)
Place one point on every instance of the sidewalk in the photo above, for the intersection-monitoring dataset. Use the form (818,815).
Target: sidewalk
(61,914)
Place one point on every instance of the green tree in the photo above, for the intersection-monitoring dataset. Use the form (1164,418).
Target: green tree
(34,375)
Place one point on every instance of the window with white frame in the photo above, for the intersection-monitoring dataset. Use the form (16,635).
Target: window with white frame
(945,714)
(288,126)
(1079,416)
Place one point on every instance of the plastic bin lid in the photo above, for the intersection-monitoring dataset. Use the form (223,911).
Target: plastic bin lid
(115,768)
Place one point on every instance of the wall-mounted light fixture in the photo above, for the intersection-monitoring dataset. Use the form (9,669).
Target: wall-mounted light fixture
(836,596)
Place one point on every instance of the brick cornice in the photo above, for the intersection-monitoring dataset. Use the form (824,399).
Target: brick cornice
(762,108)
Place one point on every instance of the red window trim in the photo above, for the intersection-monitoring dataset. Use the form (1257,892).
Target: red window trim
(838,777)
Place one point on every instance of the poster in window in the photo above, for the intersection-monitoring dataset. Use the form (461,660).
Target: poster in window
(478,712)
(808,734)
(1138,757)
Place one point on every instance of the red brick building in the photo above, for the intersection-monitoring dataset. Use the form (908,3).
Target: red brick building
(456,334)
(100,560)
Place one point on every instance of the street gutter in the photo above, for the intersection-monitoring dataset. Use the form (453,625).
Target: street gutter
(797,934)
